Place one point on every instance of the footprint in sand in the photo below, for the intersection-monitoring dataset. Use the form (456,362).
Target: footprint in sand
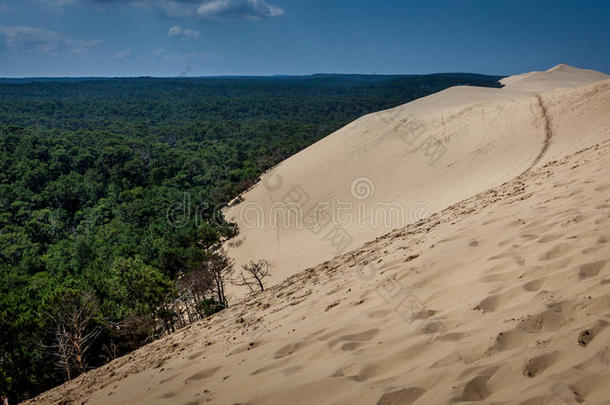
(591,269)
(517,222)
(547,321)
(291,370)
(288,350)
(404,396)
(494,278)
(351,346)
(509,254)
(602,221)
(203,374)
(508,340)
(476,389)
(557,251)
(351,371)
(168,395)
(168,379)
(591,250)
(603,188)
(271,366)
(505,243)
(586,336)
(364,336)
(493,302)
(501,255)
(452,337)
(534,285)
(489,304)
(195,355)
(379,314)
(550,238)
(540,363)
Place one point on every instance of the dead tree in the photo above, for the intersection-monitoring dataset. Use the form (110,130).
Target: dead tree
(62,351)
(197,285)
(219,267)
(74,333)
(252,275)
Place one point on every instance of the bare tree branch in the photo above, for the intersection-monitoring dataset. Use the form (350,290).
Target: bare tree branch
(253,274)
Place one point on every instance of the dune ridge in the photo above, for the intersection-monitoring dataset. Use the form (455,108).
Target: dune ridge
(421,157)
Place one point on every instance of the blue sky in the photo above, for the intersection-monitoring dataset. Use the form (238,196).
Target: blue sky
(266,37)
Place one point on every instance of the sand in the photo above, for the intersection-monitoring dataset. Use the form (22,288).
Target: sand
(391,168)
(500,297)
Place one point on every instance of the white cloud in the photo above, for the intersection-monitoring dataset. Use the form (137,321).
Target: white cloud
(238,10)
(178,31)
(58,3)
(22,39)
(176,9)
(125,53)
(86,46)
(159,52)
(206,9)
(30,39)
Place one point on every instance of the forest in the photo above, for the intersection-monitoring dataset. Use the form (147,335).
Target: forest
(91,265)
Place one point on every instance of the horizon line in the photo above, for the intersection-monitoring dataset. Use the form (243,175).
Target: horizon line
(243,76)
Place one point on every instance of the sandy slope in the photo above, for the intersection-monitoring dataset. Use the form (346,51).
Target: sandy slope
(394,167)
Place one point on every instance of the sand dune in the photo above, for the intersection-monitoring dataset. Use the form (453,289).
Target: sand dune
(502,298)
(391,168)
(499,297)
